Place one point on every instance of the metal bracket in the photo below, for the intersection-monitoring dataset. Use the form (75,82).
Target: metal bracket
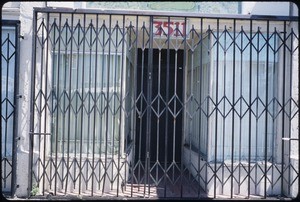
(289,139)
(31,133)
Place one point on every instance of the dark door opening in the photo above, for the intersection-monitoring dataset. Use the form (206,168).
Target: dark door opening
(166,106)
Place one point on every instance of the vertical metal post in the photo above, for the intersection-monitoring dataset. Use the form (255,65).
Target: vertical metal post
(224,93)
(107,103)
(70,102)
(132,166)
(283,102)
(78,26)
(16,92)
(290,109)
(158,120)
(95,105)
(185,68)
(149,98)
(200,102)
(1,109)
(207,97)
(190,117)
(250,112)
(86,140)
(101,102)
(64,92)
(40,91)
(266,113)
(274,89)
(7,41)
(183,122)
(32,98)
(216,120)
(46,94)
(240,107)
(121,141)
(113,115)
(82,139)
(233,110)
(167,112)
(257,117)
(1,189)
(52,100)
(173,163)
(57,105)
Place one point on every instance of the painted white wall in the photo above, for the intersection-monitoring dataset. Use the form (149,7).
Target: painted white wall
(64,4)
(11,11)
(267,8)
(67,4)
(294,147)
(12,4)
(25,17)
(248,7)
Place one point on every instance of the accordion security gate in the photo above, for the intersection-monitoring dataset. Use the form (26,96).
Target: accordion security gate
(9,91)
(131,104)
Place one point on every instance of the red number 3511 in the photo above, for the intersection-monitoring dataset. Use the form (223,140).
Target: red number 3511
(171,28)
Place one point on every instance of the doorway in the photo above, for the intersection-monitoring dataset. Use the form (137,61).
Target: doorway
(166,102)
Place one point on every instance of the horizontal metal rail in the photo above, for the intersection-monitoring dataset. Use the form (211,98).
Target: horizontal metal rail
(164,14)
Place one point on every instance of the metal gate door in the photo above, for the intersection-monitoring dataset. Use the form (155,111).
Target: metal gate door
(131,104)
(9,91)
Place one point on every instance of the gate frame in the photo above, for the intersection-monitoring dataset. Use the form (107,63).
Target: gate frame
(150,14)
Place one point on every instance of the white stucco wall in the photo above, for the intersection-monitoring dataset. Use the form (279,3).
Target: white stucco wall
(248,7)
(294,146)
(64,4)
(266,8)
(26,14)
(11,11)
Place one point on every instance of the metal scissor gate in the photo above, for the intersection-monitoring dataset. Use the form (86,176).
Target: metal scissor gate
(152,104)
(9,90)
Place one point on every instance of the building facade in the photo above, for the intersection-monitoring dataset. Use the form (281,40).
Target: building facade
(149,99)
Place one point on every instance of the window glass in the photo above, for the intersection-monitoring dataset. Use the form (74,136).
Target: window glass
(87,86)
(262,67)
(8,60)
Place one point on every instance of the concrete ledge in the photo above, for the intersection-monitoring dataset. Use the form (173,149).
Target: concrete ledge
(240,177)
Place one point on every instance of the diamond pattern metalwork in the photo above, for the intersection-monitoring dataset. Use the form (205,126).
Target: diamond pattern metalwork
(99,35)
(175,106)
(158,105)
(8,50)
(141,104)
(194,106)
(9,109)
(6,162)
